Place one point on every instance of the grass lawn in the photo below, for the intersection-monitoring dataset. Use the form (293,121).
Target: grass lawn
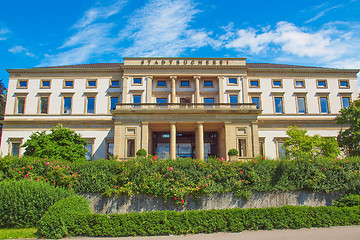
(12,233)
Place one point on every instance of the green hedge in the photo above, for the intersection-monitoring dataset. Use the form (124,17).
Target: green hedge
(192,222)
(23,203)
(178,179)
(347,201)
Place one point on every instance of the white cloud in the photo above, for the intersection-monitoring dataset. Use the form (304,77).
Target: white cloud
(3,33)
(20,49)
(162,28)
(323,12)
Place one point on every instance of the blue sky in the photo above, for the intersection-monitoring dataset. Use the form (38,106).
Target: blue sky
(47,33)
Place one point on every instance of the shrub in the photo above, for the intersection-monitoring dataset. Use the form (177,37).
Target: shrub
(22,203)
(347,201)
(61,215)
(141,153)
(208,221)
(233,152)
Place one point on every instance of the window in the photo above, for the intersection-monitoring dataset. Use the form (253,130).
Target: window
(233,81)
(277,83)
(20,105)
(45,84)
(161,100)
(137,81)
(109,148)
(262,146)
(161,83)
(208,83)
(185,83)
(278,105)
(345,101)
(254,83)
(44,104)
(185,100)
(113,102)
(14,146)
(114,83)
(89,150)
(299,83)
(242,147)
(256,100)
(301,104)
(22,83)
(131,148)
(90,105)
(68,83)
(324,108)
(209,100)
(137,99)
(321,83)
(91,83)
(233,99)
(344,84)
(280,149)
(67,104)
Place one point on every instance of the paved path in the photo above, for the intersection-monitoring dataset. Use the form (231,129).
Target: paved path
(332,233)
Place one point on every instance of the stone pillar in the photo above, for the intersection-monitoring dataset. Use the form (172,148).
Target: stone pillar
(230,141)
(172,140)
(124,89)
(145,136)
(221,142)
(149,89)
(118,142)
(173,89)
(255,138)
(200,141)
(221,89)
(197,89)
(245,90)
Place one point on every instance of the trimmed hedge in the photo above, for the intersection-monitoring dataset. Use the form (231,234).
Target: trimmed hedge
(347,201)
(23,203)
(210,221)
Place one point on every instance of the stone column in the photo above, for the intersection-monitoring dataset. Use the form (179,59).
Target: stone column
(230,139)
(145,136)
(118,142)
(221,141)
(149,89)
(221,89)
(124,89)
(245,90)
(197,89)
(200,141)
(173,89)
(255,139)
(172,140)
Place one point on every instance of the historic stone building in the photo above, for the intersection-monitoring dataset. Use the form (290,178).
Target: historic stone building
(177,107)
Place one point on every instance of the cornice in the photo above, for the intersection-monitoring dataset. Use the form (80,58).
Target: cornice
(64,70)
(182,67)
(302,70)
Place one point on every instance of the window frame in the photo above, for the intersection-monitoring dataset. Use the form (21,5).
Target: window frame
(321,80)
(212,84)
(254,80)
(87,96)
(42,83)
(92,142)
(344,95)
(68,80)
(255,95)
(11,141)
(137,84)
(132,99)
(158,81)
(91,80)
(347,83)
(181,81)
(277,141)
(282,103)
(114,80)
(326,95)
(233,94)
(107,142)
(127,147)
(67,95)
(43,95)
(299,80)
(246,147)
(17,96)
(262,140)
(277,80)
(301,95)
(232,84)
(22,80)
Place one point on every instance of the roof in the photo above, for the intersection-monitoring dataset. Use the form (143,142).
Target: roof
(273,65)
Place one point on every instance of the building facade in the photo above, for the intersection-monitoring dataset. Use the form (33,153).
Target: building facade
(176,107)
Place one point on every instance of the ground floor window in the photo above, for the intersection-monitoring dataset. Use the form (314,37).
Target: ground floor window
(131,147)
(242,148)
(262,146)
(281,153)
(109,148)
(14,145)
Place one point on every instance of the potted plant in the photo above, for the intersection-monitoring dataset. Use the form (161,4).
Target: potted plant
(141,153)
(233,154)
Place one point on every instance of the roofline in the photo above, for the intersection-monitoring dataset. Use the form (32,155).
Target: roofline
(180,58)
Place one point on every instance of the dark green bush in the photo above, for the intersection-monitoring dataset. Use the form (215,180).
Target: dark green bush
(62,214)
(347,201)
(229,220)
(23,203)
(233,152)
(141,153)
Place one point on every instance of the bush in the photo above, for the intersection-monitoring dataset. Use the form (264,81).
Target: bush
(23,203)
(233,152)
(347,201)
(61,215)
(141,153)
(192,222)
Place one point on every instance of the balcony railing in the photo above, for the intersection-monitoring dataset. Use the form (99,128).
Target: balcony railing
(220,106)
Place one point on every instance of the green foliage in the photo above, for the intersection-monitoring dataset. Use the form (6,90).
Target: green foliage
(347,201)
(61,143)
(141,153)
(193,222)
(62,214)
(300,145)
(233,152)
(23,203)
(3,93)
(349,139)
(18,233)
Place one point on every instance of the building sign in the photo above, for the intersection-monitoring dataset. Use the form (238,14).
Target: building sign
(184,62)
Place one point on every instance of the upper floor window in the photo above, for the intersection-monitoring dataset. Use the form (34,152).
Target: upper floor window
(209,101)
(90,104)
(254,83)
(137,81)
(279,108)
(344,84)
(185,83)
(161,83)
(113,102)
(44,105)
(68,84)
(299,83)
(20,105)
(114,83)
(22,83)
(233,98)
(45,84)
(91,83)
(161,100)
(256,99)
(301,104)
(323,102)
(277,83)
(233,81)
(67,104)
(321,83)
(345,101)
(208,83)
(136,99)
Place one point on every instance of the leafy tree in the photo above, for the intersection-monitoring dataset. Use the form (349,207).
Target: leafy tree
(300,145)
(349,139)
(61,143)
(3,92)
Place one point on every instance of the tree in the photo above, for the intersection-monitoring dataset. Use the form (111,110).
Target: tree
(349,139)
(61,143)
(3,93)
(300,145)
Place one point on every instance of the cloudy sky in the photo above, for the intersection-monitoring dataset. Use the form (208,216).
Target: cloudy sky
(40,33)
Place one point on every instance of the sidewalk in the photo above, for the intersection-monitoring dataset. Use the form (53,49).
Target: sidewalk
(332,233)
